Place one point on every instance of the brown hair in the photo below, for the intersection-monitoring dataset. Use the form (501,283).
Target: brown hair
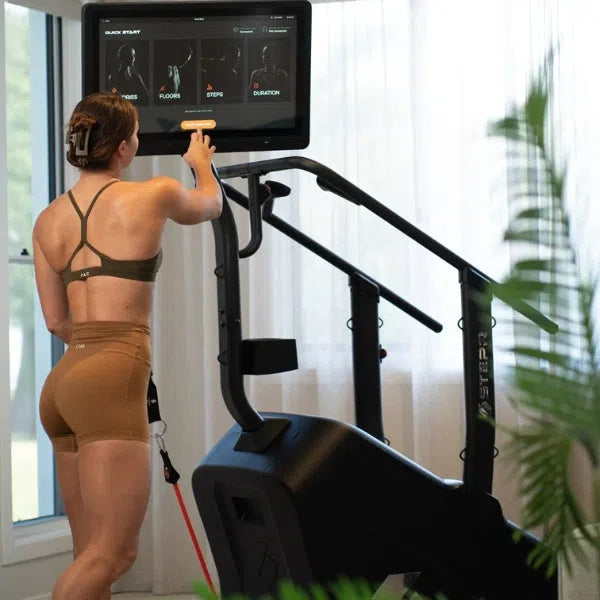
(110,120)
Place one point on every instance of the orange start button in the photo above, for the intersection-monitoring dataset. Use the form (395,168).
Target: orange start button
(200,124)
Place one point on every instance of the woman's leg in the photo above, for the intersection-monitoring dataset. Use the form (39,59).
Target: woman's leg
(67,466)
(114,477)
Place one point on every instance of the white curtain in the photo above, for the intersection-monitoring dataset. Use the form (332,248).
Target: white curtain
(402,93)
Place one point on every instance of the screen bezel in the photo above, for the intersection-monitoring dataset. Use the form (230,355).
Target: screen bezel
(228,140)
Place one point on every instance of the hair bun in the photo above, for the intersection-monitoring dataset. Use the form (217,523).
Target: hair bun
(97,126)
(82,121)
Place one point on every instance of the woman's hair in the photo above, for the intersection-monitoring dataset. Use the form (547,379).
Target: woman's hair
(99,123)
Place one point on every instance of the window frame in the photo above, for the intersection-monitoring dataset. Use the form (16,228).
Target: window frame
(61,8)
(47,535)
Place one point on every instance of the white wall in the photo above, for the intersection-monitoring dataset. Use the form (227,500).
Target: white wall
(32,580)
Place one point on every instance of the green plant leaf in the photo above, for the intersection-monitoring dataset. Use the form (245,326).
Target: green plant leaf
(555,383)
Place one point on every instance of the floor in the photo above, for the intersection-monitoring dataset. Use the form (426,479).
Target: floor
(393,586)
(148,596)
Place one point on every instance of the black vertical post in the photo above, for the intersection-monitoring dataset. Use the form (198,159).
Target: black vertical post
(229,320)
(257,432)
(479,381)
(366,354)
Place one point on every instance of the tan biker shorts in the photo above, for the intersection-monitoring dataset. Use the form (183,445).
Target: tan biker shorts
(98,389)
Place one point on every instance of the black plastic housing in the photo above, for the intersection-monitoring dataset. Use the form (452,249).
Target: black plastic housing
(325,499)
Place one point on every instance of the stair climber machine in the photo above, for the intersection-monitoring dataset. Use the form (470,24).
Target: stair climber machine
(311,499)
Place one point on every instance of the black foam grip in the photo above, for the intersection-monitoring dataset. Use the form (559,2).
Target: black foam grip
(152,402)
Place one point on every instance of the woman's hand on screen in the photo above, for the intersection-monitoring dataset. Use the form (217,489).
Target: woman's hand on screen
(199,153)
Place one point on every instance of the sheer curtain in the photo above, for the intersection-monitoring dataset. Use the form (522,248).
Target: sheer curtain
(402,93)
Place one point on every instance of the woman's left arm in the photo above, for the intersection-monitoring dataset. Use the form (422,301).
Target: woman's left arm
(52,293)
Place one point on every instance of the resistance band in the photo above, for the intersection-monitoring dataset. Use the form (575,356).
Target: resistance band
(171,475)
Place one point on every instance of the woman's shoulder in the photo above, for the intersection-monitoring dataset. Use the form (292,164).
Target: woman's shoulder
(156,193)
(45,230)
(50,211)
(148,188)
(162,186)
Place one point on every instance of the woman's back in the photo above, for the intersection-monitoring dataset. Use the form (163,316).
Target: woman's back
(125,223)
(97,247)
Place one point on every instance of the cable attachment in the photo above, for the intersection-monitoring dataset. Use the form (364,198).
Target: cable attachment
(160,442)
(460,323)
(171,475)
(463,453)
(169,471)
(350,323)
(160,437)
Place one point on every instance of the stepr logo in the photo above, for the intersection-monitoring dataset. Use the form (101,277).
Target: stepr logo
(484,369)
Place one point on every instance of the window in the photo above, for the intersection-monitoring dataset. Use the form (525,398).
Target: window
(32,40)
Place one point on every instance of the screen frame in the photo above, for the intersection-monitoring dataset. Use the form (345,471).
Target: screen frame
(228,140)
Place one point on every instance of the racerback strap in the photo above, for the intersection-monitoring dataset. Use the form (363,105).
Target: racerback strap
(84,218)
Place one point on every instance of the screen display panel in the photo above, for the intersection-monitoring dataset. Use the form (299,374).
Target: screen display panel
(240,67)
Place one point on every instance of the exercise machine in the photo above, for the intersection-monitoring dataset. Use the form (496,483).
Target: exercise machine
(310,499)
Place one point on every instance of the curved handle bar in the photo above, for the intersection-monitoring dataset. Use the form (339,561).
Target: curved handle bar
(331,181)
(254,208)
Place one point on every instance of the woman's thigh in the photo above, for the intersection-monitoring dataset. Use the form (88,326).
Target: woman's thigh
(115,478)
(67,467)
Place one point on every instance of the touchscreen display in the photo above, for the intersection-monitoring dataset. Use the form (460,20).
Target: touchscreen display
(240,67)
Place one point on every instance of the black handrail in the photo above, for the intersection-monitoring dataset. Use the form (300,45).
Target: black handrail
(333,259)
(329,179)
(254,209)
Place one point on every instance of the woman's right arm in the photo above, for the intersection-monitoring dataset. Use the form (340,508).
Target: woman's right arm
(192,206)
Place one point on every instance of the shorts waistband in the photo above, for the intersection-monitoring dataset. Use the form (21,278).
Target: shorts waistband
(107,328)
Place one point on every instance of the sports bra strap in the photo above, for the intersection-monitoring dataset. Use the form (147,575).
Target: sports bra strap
(87,214)
(84,219)
(75,204)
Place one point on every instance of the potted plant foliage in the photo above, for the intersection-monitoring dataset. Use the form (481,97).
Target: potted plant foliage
(556,378)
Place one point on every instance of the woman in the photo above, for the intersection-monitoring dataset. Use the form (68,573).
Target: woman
(94,279)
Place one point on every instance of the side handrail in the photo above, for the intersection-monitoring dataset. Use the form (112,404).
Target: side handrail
(332,181)
(333,259)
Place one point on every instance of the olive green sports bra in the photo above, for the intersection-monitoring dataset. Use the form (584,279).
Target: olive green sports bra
(140,270)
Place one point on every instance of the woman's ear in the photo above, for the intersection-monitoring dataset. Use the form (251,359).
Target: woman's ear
(122,148)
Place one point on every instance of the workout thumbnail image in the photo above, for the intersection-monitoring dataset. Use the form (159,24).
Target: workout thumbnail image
(128,72)
(221,71)
(175,71)
(269,66)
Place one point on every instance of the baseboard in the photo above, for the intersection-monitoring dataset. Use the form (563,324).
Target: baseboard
(42,597)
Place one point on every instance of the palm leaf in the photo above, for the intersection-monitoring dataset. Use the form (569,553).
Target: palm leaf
(556,379)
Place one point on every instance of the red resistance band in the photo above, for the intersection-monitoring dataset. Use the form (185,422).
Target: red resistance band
(172,476)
